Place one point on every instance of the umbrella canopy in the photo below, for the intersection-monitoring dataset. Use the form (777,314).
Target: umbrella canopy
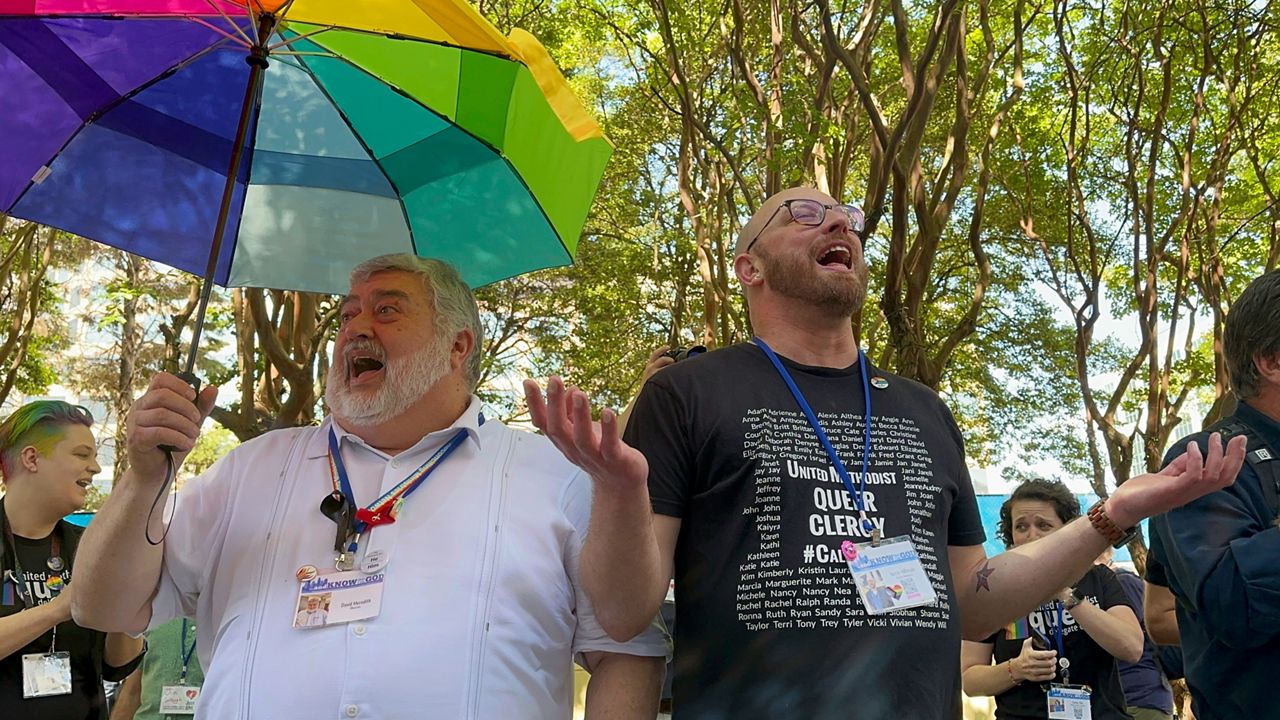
(379,126)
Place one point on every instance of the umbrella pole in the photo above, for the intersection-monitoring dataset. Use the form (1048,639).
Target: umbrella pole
(257,61)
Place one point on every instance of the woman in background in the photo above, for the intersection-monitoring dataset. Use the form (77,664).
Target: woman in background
(1089,626)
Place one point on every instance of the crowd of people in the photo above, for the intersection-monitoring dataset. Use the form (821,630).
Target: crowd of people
(412,557)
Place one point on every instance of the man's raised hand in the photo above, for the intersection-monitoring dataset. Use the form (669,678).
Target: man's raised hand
(596,447)
(1191,475)
(169,414)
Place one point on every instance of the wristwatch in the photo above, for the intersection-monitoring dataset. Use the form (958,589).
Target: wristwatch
(1108,529)
(1075,599)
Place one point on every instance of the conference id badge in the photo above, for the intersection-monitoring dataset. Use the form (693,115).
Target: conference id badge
(1069,702)
(338,597)
(889,575)
(179,699)
(46,674)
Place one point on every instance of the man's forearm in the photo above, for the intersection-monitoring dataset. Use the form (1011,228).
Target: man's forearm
(998,590)
(128,697)
(624,687)
(620,567)
(117,570)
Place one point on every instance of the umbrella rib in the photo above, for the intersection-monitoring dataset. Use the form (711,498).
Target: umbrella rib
(241,33)
(289,41)
(404,212)
(298,53)
(284,9)
(93,117)
(238,39)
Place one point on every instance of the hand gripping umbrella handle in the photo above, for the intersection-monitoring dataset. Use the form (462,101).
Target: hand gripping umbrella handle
(194,381)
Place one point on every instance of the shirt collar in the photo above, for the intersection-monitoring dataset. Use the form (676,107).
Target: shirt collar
(470,420)
(1262,424)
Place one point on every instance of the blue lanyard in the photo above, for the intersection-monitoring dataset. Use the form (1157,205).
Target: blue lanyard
(403,489)
(185,651)
(1057,640)
(841,470)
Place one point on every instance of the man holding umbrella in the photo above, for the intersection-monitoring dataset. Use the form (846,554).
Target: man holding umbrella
(773,477)
(447,543)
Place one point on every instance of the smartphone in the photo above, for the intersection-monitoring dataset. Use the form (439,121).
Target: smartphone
(1038,640)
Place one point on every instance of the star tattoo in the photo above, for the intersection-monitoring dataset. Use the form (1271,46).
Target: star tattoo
(984,575)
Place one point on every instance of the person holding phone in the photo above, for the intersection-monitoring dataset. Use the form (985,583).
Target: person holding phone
(1059,660)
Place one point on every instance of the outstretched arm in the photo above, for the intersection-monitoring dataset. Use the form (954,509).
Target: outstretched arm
(117,569)
(19,629)
(993,591)
(626,559)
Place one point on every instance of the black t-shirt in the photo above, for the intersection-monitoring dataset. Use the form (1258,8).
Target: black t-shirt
(86,647)
(770,621)
(1090,664)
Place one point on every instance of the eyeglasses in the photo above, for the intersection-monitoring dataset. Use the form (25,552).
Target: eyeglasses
(813,213)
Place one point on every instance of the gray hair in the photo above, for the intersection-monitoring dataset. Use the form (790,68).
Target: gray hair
(451,299)
(1252,329)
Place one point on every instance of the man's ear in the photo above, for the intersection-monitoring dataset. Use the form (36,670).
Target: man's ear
(463,343)
(1268,367)
(29,456)
(748,270)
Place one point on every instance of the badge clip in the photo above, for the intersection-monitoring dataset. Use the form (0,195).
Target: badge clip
(344,561)
(868,526)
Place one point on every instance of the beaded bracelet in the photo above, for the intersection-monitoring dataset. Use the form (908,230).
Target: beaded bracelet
(1009,666)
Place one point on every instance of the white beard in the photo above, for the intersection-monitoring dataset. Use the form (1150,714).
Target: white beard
(404,382)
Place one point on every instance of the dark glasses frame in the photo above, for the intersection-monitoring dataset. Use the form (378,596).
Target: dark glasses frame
(857,218)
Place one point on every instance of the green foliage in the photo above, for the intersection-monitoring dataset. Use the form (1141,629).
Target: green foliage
(33,331)
(94,498)
(211,446)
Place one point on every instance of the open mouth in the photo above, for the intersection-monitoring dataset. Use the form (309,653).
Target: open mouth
(363,366)
(836,257)
(85,483)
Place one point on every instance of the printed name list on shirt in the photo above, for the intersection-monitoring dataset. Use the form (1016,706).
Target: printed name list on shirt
(800,580)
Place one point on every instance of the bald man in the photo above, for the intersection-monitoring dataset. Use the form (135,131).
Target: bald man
(745,473)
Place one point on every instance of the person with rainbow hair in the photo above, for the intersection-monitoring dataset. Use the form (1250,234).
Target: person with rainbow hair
(50,668)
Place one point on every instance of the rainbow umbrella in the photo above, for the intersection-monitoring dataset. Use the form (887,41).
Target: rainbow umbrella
(275,144)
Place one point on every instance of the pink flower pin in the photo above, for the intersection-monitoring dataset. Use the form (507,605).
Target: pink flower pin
(850,550)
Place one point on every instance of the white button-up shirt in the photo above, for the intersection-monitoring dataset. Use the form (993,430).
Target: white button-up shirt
(481,613)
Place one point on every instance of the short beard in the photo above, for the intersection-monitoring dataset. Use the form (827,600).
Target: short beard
(789,276)
(404,382)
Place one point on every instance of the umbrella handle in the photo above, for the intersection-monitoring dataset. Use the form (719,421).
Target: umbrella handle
(194,381)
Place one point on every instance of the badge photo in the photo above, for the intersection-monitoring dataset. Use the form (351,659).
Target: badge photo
(889,575)
(338,597)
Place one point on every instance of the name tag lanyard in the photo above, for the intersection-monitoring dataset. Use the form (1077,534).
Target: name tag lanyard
(185,652)
(383,510)
(55,564)
(1063,662)
(841,470)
